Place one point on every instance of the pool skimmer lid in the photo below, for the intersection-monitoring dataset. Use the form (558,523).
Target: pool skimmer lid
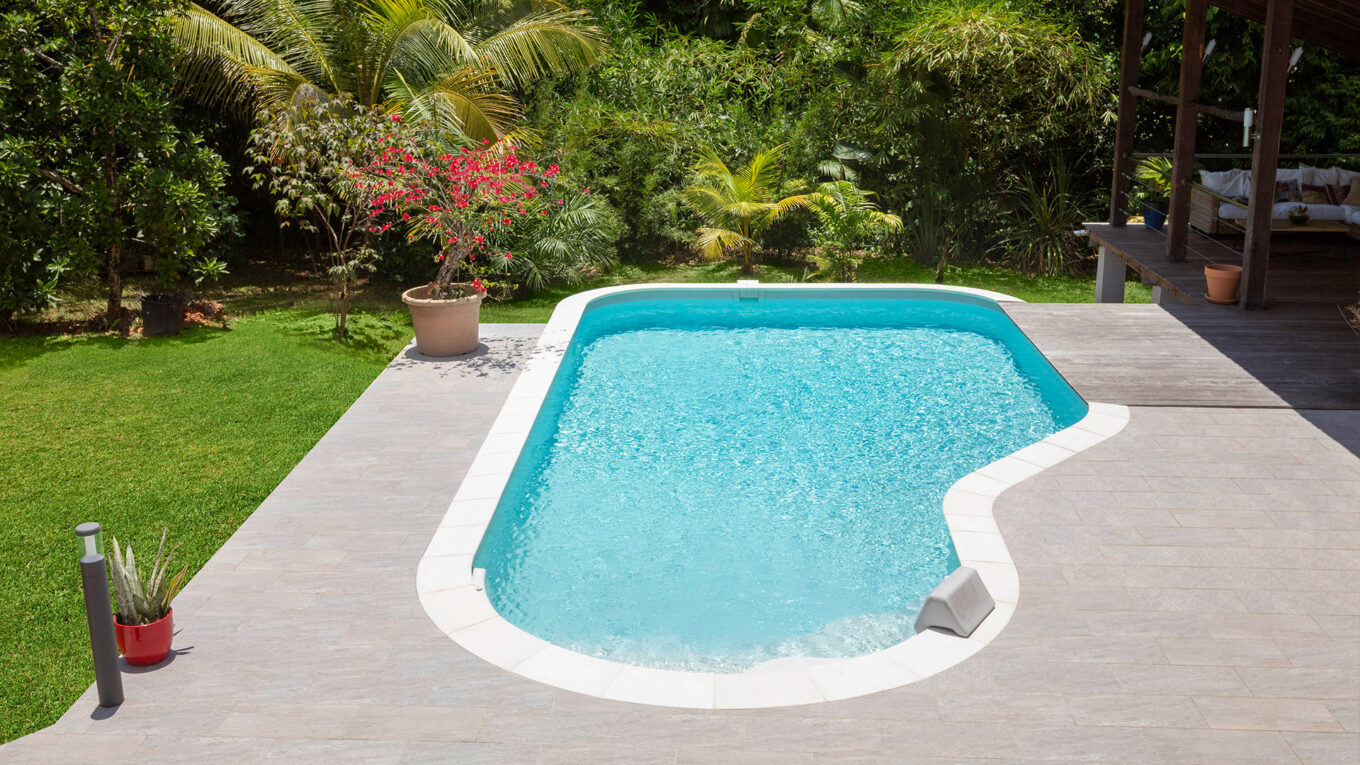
(958,604)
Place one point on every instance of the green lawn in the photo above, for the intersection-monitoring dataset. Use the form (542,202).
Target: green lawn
(193,432)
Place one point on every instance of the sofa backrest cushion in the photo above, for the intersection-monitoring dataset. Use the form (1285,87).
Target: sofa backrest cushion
(1318,176)
(1229,183)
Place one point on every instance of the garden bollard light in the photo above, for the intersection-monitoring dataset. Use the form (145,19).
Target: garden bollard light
(99,615)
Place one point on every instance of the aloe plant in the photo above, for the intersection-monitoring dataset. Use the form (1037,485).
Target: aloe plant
(143,601)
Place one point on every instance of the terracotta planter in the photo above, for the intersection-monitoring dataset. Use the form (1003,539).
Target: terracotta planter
(444,327)
(146,644)
(1222,281)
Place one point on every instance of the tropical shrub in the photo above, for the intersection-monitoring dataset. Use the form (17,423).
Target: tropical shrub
(737,205)
(562,246)
(847,218)
(93,166)
(143,600)
(1046,213)
(450,63)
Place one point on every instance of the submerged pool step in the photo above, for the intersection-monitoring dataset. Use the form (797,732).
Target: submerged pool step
(958,604)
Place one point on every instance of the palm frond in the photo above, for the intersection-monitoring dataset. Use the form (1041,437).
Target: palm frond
(463,101)
(216,59)
(554,40)
(714,241)
(408,35)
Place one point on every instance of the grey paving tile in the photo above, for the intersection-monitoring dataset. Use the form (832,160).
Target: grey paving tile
(1135,711)
(800,734)
(1220,746)
(1085,744)
(1324,748)
(439,753)
(1268,714)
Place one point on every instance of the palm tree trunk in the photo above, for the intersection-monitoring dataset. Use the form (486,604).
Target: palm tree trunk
(746,250)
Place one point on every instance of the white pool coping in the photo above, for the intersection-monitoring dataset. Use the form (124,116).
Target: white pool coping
(461,609)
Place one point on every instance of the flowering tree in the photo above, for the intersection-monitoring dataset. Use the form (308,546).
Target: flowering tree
(466,201)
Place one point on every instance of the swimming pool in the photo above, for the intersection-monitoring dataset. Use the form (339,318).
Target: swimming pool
(701,484)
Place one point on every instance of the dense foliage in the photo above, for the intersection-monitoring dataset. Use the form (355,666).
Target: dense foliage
(91,162)
(984,125)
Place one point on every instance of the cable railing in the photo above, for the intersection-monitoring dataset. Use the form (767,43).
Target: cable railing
(1189,247)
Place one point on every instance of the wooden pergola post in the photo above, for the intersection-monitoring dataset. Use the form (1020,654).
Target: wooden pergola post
(1130,62)
(1187,109)
(1265,156)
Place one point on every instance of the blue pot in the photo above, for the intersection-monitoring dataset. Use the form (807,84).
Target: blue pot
(1154,215)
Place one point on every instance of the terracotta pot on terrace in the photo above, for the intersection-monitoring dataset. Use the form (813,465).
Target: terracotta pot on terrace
(1222,280)
(145,644)
(444,327)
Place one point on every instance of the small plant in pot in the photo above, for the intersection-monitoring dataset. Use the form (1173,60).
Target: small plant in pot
(144,623)
(1298,215)
(465,203)
(1154,177)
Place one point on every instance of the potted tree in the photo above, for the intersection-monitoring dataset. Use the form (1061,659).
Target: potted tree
(1154,173)
(144,624)
(465,202)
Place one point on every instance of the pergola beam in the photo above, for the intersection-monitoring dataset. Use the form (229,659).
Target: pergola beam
(1187,109)
(1130,62)
(1266,152)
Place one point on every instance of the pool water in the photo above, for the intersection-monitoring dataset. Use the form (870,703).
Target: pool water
(714,483)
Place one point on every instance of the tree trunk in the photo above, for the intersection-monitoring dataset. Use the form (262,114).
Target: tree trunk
(113,264)
(113,255)
(746,251)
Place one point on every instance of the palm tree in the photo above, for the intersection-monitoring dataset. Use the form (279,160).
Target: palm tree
(450,61)
(737,206)
(847,215)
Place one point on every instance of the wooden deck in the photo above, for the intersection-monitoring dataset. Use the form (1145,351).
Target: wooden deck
(1314,268)
(1193,355)
(1298,353)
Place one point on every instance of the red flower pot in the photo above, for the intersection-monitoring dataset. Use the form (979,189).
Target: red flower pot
(145,644)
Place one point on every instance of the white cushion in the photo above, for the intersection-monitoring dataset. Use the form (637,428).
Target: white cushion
(1286,174)
(1316,176)
(1281,211)
(1352,214)
(1346,177)
(1229,183)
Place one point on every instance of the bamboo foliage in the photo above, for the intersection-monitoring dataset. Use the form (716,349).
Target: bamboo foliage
(143,601)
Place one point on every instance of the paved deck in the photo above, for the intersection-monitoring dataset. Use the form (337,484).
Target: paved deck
(1188,594)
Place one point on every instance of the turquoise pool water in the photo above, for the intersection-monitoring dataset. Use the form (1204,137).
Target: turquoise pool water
(714,483)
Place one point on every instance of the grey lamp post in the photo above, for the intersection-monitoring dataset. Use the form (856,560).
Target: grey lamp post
(99,615)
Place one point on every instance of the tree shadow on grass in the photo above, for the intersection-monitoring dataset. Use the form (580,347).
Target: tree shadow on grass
(17,351)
